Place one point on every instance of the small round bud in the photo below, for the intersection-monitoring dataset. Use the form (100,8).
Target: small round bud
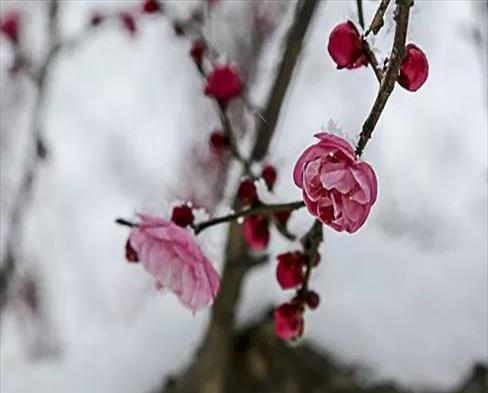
(269,175)
(182,216)
(312,299)
(247,192)
(346,47)
(414,69)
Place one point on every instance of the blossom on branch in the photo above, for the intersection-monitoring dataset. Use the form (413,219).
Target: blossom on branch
(414,69)
(171,254)
(289,321)
(289,271)
(223,84)
(337,189)
(346,46)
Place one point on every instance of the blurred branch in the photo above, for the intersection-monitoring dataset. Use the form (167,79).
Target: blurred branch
(391,75)
(37,152)
(311,243)
(293,47)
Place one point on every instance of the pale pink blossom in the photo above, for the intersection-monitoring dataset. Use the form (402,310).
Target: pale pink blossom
(171,254)
(337,189)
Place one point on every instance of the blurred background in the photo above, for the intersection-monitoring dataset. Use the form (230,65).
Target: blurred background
(125,127)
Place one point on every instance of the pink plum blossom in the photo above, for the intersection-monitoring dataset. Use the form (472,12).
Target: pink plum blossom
(171,254)
(337,189)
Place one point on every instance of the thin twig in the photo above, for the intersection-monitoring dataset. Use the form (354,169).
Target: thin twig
(391,75)
(360,13)
(378,19)
(311,243)
(260,209)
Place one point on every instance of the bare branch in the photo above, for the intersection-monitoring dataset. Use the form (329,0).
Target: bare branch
(378,19)
(391,75)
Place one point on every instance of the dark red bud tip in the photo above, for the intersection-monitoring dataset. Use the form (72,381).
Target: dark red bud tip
(256,232)
(312,299)
(223,84)
(218,142)
(269,174)
(128,22)
(288,321)
(10,26)
(182,216)
(346,46)
(130,253)
(96,19)
(151,6)
(414,69)
(247,192)
(197,51)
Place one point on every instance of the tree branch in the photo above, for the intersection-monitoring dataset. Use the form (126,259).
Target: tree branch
(267,123)
(378,19)
(391,75)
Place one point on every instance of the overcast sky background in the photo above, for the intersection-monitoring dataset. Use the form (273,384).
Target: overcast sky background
(406,295)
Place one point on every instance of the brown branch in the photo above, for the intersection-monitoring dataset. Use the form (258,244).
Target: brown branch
(260,209)
(378,19)
(311,243)
(267,123)
(391,75)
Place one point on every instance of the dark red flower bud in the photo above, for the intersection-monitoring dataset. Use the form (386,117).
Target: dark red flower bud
(346,46)
(197,51)
(223,84)
(129,22)
(182,216)
(212,3)
(289,271)
(96,19)
(269,175)
(312,299)
(151,6)
(130,253)
(414,69)
(247,192)
(218,141)
(289,321)
(256,232)
(179,28)
(10,25)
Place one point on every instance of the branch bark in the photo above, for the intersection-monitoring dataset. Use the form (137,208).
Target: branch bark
(391,75)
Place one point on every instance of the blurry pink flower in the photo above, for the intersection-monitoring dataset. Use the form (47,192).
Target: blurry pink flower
(171,254)
(289,321)
(289,271)
(414,69)
(256,232)
(337,189)
(9,26)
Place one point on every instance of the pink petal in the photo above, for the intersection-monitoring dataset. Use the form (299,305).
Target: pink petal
(366,178)
(337,143)
(172,256)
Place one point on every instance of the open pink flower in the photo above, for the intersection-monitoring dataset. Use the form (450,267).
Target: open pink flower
(171,254)
(337,189)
